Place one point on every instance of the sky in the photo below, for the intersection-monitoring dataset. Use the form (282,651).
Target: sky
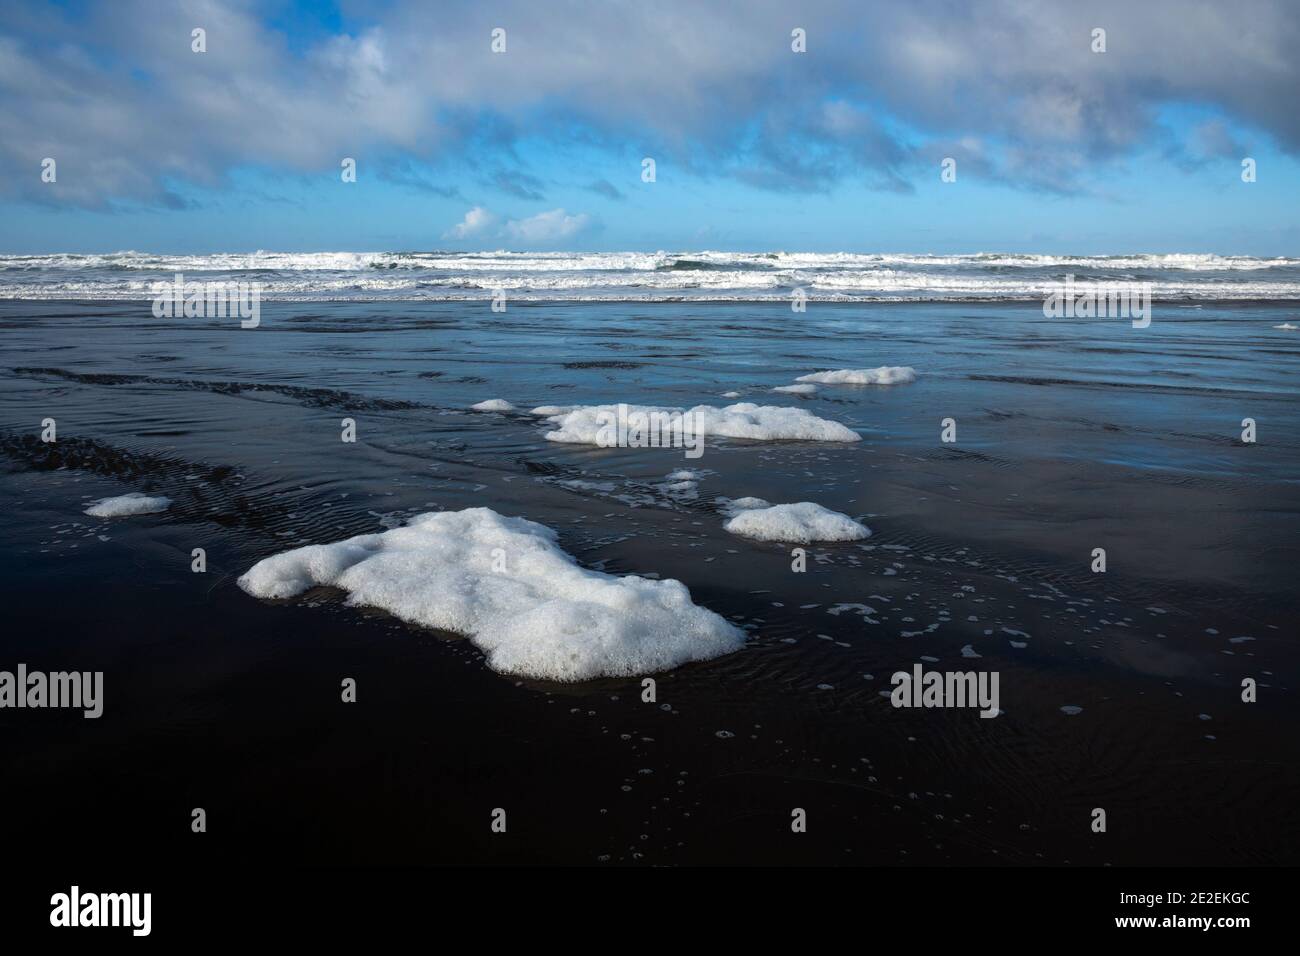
(1057,147)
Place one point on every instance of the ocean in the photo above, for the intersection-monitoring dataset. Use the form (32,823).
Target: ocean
(651,277)
(1119,690)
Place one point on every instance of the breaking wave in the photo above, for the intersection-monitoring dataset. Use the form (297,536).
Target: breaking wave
(646,276)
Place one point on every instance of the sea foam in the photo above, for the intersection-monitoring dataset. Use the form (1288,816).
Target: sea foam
(134,503)
(584,424)
(505,584)
(799,523)
(885,375)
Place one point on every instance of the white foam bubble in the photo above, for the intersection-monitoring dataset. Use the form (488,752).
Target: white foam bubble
(592,424)
(504,583)
(732,505)
(798,523)
(578,484)
(493,405)
(685,489)
(123,506)
(885,375)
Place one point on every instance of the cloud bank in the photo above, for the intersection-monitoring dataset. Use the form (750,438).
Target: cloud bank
(1012,90)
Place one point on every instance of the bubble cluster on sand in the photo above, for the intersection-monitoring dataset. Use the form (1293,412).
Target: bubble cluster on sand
(122,506)
(885,375)
(504,583)
(805,389)
(800,523)
(590,424)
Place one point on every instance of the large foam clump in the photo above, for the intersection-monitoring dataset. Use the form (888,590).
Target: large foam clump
(800,523)
(596,424)
(885,375)
(123,506)
(505,584)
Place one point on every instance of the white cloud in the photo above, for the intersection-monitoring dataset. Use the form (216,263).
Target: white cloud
(478,223)
(555,225)
(547,226)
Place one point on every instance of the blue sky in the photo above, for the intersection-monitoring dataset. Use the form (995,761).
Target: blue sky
(1058,148)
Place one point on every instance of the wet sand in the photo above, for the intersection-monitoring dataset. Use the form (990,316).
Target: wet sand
(218,700)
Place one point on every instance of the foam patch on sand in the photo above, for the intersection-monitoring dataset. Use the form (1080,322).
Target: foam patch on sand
(800,523)
(493,405)
(682,484)
(543,616)
(124,506)
(680,489)
(588,424)
(806,389)
(578,484)
(885,375)
(731,506)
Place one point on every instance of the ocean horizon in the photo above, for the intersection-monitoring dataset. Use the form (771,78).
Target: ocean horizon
(703,275)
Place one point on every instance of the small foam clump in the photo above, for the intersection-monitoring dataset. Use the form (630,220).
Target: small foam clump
(505,584)
(732,505)
(124,506)
(679,489)
(885,375)
(683,483)
(493,405)
(799,523)
(585,424)
(805,389)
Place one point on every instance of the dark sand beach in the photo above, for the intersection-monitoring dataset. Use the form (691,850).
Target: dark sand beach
(1072,435)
